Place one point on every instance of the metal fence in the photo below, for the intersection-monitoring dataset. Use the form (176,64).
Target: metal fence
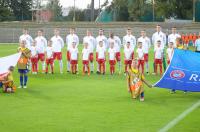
(11,35)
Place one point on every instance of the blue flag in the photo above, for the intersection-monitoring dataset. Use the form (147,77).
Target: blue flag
(183,73)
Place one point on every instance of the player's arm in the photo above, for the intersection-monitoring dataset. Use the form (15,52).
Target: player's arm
(67,40)
(164,39)
(62,42)
(145,82)
(149,43)
(77,39)
(45,42)
(134,42)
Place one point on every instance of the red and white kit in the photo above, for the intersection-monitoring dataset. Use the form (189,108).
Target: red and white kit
(73,59)
(169,55)
(101,59)
(49,59)
(127,58)
(34,59)
(112,61)
(140,54)
(158,51)
(85,59)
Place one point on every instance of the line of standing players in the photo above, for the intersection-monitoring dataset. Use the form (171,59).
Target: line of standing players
(105,48)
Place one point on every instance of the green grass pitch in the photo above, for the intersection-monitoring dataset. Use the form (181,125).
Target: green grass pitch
(76,103)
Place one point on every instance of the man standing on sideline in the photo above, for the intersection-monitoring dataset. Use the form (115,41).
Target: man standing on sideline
(72,37)
(173,36)
(57,45)
(146,44)
(159,35)
(129,38)
(25,36)
(91,45)
(117,47)
(100,38)
(41,45)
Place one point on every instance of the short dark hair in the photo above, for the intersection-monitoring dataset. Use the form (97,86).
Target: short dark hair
(11,68)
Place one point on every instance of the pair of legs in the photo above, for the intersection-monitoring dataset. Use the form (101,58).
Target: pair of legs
(49,62)
(91,59)
(73,64)
(137,90)
(118,58)
(127,64)
(58,56)
(101,63)
(158,62)
(34,65)
(9,87)
(112,66)
(69,62)
(86,67)
(146,62)
(141,65)
(23,77)
(41,57)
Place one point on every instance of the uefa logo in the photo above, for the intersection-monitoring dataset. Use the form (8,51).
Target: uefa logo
(177,74)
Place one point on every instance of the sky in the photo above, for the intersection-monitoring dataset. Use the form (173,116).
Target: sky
(80,3)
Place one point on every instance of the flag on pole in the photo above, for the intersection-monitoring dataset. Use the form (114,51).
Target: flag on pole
(6,62)
(183,73)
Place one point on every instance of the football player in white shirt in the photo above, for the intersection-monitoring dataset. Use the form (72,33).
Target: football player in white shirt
(140,57)
(72,37)
(129,38)
(146,44)
(85,58)
(34,58)
(41,44)
(112,53)
(73,58)
(49,57)
(158,57)
(91,45)
(128,56)
(101,38)
(170,51)
(173,36)
(101,58)
(25,36)
(117,47)
(57,45)
(159,35)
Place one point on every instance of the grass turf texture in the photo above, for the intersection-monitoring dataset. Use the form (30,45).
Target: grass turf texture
(77,103)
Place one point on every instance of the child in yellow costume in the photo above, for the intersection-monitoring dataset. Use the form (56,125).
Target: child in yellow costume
(135,80)
(8,83)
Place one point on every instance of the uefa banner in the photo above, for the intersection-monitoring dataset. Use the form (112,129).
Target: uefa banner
(183,73)
(6,62)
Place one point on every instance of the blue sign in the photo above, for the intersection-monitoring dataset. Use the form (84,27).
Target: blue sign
(183,73)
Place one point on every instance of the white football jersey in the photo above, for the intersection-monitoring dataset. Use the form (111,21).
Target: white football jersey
(57,43)
(41,44)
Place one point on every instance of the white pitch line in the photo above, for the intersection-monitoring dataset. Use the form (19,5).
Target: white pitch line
(180,117)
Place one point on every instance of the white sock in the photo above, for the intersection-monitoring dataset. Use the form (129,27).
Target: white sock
(92,66)
(61,65)
(98,67)
(68,65)
(119,64)
(77,67)
(43,65)
(147,67)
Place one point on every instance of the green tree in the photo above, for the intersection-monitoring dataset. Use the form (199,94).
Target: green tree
(5,12)
(21,9)
(56,8)
(79,14)
(120,10)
